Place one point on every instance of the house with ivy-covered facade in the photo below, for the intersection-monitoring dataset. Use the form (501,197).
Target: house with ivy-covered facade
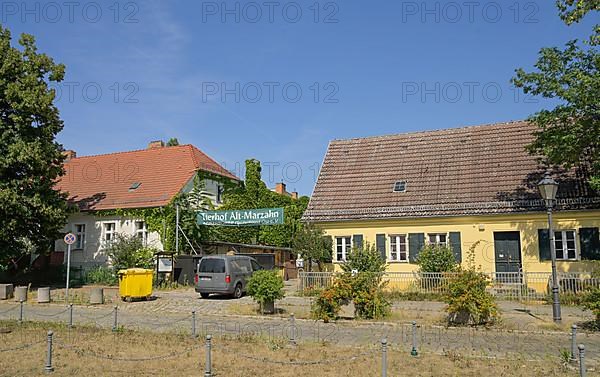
(132,193)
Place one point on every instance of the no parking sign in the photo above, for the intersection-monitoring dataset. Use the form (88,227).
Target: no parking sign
(69,238)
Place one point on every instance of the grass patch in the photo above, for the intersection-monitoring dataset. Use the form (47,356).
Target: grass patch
(92,351)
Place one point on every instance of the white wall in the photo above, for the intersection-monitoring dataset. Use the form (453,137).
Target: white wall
(93,254)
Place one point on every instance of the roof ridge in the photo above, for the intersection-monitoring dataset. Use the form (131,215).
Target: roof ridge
(432,131)
(126,152)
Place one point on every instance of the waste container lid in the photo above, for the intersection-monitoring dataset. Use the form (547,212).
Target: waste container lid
(131,271)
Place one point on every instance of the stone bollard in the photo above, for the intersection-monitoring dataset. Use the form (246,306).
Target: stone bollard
(48,368)
(96,296)
(194,335)
(582,369)
(115,319)
(383,357)
(573,344)
(208,369)
(43,295)
(6,291)
(21,294)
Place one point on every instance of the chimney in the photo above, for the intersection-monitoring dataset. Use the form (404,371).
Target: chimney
(156,144)
(295,195)
(280,188)
(69,154)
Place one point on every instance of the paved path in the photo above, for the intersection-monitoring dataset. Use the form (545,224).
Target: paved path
(467,341)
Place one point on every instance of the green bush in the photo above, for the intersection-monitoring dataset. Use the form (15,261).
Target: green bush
(328,303)
(436,258)
(101,275)
(591,301)
(128,251)
(265,286)
(366,259)
(467,299)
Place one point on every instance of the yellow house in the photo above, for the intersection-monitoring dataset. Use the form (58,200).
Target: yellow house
(454,187)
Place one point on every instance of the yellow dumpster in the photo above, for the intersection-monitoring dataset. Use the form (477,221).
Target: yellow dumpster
(135,283)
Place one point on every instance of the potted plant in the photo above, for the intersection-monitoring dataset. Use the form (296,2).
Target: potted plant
(265,287)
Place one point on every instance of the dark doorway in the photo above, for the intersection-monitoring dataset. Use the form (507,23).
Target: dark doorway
(507,246)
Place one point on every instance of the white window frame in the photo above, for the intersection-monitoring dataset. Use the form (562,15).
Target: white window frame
(143,231)
(346,247)
(79,236)
(437,239)
(395,243)
(561,236)
(113,232)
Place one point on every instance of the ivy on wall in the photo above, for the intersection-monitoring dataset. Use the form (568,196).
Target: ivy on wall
(162,219)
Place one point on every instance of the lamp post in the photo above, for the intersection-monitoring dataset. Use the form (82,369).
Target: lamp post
(548,188)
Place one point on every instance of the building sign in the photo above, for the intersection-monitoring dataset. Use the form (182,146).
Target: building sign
(242,217)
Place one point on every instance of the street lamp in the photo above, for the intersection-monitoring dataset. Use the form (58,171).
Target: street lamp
(548,188)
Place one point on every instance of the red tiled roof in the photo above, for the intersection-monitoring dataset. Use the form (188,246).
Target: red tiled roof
(103,181)
(452,172)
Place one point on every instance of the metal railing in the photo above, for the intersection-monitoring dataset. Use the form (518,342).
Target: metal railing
(505,285)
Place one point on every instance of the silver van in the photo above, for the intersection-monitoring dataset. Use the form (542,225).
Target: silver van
(224,274)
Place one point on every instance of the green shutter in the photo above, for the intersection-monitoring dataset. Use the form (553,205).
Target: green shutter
(544,244)
(416,241)
(380,245)
(590,243)
(456,246)
(357,241)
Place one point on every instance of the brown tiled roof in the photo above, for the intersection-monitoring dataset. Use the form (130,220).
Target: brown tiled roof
(103,182)
(452,172)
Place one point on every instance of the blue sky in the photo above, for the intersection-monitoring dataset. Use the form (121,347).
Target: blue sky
(277,80)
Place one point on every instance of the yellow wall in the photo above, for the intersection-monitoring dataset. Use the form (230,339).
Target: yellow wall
(477,228)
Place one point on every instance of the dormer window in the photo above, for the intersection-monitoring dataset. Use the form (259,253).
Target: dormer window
(400,186)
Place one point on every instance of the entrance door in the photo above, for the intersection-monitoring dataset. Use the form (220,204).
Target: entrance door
(507,246)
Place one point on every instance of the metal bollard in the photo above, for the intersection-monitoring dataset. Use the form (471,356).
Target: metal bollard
(49,368)
(115,319)
(384,357)
(292,329)
(582,370)
(70,315)
(208,370)
(413,351)
(194,324)
(21,311)
(573,343)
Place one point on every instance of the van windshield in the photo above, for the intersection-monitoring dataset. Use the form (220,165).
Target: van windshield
(214,266)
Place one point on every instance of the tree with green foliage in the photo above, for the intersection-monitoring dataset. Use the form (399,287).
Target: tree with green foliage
(569,134)
(364,259)
(128,251)
(265,286)
(436,258)
(32,211)
(312,244)
(254,193)
(173,142)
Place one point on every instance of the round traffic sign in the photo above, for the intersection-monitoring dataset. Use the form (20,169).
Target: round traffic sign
(69,238)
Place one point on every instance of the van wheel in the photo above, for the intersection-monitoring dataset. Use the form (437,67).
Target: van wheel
(204,295)
(237,293)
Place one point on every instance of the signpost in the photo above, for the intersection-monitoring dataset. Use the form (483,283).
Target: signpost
(69,240)
(242,217)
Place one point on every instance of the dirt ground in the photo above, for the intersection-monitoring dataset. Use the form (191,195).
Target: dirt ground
(92,351)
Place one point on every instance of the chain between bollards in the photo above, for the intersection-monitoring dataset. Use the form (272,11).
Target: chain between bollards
(573,343)
(49,368)
(413,351)
(70,315)
(194,335)
(582,371)
(208,369)
(20,311)
(292,329)
(384,357)
(115,319)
